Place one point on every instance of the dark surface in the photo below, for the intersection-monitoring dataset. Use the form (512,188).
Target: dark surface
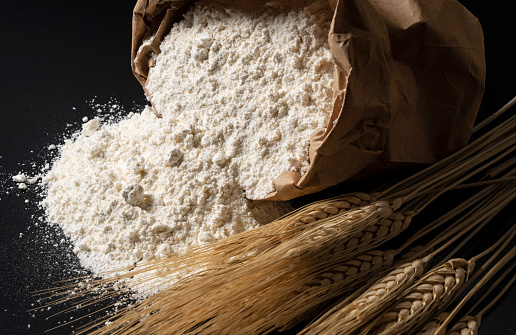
(57,56)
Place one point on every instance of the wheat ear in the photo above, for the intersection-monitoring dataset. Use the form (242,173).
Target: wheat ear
(416,304)
(468,324)
(335,281)
(330,207)
(508,256)
(351,315)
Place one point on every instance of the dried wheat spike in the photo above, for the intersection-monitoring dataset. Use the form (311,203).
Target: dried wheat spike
(335,281)
(415,305)
(382,230)
(467,325)
(328,209)
(399,278)
(349,270)
(359,312)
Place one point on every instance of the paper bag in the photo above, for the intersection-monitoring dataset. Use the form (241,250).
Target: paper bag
(409,79)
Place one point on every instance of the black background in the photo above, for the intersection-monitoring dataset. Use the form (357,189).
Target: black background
(57,56)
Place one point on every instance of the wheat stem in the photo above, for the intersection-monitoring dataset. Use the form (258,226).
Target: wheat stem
(501,153)
(425,175)
(493,116)
(492,287)
(470,205)
(484,216)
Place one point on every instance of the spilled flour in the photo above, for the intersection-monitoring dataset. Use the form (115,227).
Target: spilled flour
(116,194)
(240,93)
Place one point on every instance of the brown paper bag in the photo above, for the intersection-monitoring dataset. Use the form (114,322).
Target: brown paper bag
(409,79)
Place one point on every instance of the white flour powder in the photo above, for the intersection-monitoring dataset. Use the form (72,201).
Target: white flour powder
(260,78)
(240,94)
(116,195)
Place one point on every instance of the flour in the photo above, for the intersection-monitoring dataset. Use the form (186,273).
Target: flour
(19,178)
(261,77)
(240,93)
(90,127)
(115,195)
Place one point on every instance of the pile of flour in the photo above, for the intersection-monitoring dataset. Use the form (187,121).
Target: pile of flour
(182,204)
(240,93)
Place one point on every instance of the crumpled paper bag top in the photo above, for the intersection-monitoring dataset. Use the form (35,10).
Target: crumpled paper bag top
(409,79)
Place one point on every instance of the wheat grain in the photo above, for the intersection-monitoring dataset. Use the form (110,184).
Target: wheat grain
(467,325)
(431,327)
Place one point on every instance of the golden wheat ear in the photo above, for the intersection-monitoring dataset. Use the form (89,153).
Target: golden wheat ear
(415,304)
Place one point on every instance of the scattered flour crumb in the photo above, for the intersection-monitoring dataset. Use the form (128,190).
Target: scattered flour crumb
(19,178)
(33,180)
(90,127)
(133,194)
